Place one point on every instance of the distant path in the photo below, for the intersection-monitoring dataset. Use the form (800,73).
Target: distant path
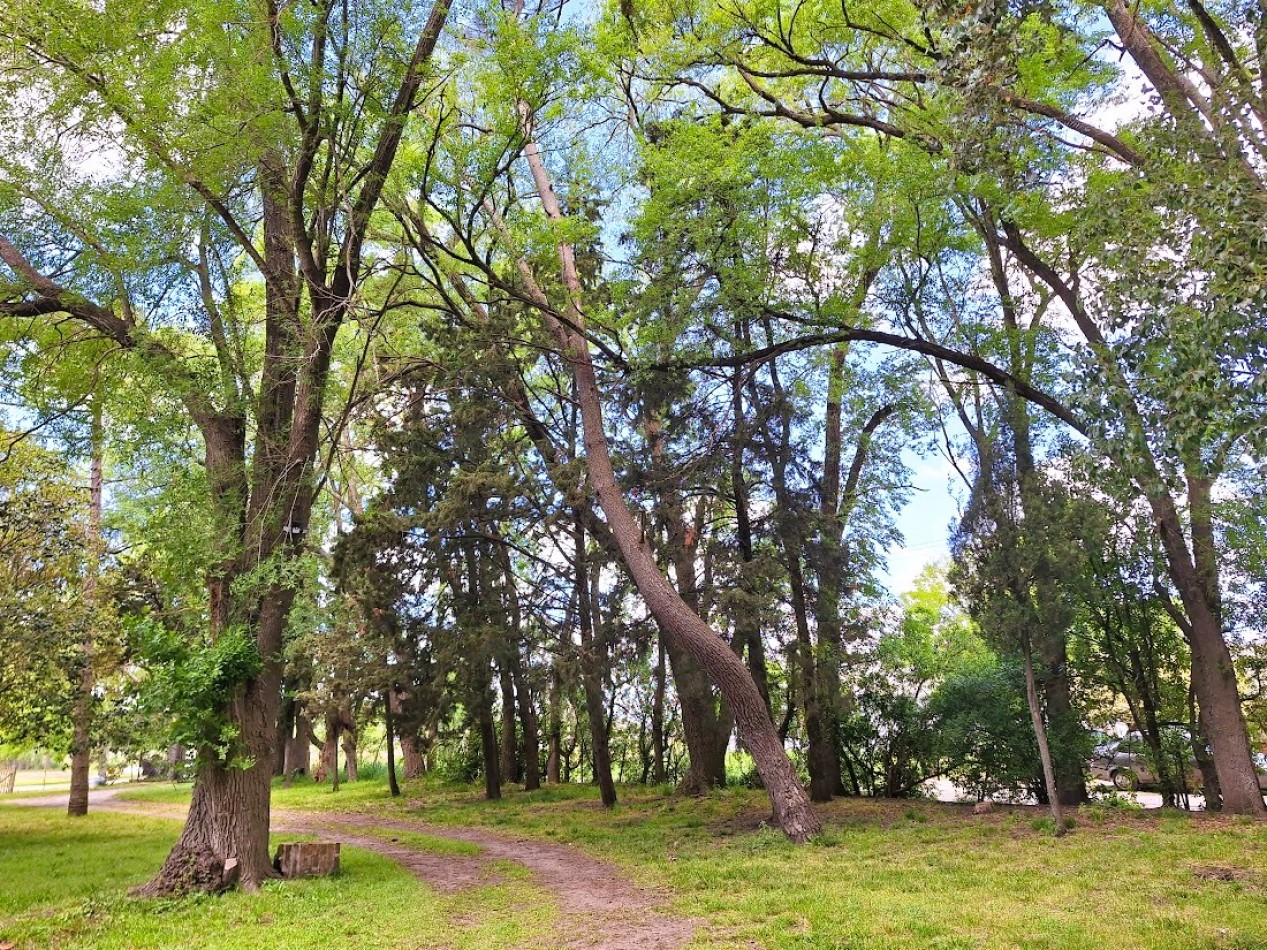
(599,907)
(96,798)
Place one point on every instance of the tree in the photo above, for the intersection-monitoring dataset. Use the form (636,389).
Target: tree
(303,159)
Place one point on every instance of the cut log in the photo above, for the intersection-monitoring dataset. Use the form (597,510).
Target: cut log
(307,859)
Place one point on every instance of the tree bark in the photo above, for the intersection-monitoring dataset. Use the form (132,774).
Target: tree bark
(659,776)
(555,740)
(510,769)
(392,784)
(411,755)
(682,626)
(593,658)
(81,714)
(1040,733)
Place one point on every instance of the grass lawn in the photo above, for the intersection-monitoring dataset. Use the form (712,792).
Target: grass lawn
(885,875)
(63,883)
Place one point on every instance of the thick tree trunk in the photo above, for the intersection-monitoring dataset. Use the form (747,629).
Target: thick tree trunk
(1069,769)
(1213,672)
(412,756)
(225,838)
(299,748)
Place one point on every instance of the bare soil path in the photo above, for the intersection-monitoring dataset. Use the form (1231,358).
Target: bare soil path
(599,907)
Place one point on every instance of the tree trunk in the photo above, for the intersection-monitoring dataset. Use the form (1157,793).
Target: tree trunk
(1040,733)
(555,739)
(225,838)
(593,658)
(488,744)
(285,736)
(824,761)
(659,776)
(412,756)
(299,748)
(528,723)
(392,784)
(682,626)
(81,714)
(349,749)
(706,739)
(509,746)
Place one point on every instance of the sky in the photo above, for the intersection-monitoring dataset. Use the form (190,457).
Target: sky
(925,522)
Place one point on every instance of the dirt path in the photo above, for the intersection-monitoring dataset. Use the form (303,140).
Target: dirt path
(599,907)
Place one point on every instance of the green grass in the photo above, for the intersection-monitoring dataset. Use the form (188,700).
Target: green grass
(421,842)
(884,875)
(63,884)
(891,874)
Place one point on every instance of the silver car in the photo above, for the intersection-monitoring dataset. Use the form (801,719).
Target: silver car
(1125,763)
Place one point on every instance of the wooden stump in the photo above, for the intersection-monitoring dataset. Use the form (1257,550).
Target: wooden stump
(307,859)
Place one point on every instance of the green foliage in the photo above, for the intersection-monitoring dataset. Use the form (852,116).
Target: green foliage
(194,683)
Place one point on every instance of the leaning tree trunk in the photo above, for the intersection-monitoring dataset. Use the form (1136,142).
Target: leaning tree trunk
(1040,733)
(681,625)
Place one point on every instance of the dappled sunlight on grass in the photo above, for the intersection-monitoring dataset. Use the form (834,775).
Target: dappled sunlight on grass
(885,874)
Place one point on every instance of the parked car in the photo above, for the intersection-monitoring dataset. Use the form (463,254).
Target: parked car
(1125,763)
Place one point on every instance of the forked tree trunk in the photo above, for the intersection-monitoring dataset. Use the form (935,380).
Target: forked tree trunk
(792,810)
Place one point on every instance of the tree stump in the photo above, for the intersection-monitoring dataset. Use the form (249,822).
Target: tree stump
(307,859)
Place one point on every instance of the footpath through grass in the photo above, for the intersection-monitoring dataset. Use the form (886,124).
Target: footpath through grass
(64,883)
(885,875)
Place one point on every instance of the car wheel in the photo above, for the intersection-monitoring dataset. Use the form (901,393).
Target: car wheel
(1124,780)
